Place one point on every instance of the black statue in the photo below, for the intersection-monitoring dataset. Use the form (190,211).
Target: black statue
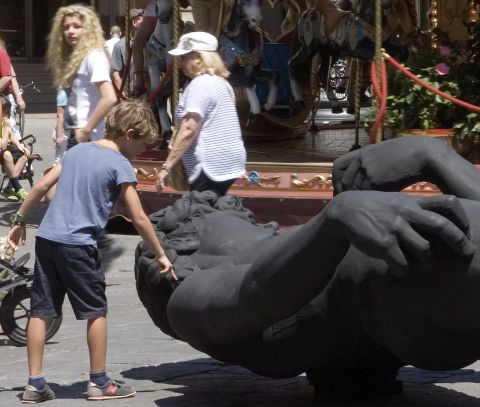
(375,281)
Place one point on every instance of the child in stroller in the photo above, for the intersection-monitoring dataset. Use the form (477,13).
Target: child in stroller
(13,155)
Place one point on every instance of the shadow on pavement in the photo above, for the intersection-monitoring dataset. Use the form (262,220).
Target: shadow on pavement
(206,382)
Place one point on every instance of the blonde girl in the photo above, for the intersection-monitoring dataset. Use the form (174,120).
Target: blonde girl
(79,63)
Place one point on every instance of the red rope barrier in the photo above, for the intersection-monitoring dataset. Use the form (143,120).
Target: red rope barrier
(429,87)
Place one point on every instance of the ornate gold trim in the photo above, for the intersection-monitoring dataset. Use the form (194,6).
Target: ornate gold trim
(146,175)
(254,178)
(317,180)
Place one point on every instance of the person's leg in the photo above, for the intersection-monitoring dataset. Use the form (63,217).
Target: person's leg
(11,168)
(37,389)
(97,343)
(203,183)
(36,334)
(141,37)
(46,301)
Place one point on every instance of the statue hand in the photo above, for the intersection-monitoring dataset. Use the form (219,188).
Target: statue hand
(389,166)
(399,228)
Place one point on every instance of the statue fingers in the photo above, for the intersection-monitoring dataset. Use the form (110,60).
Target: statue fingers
(447,231)
(415,247)
(340,165)
(350,174)
(395,258)
(361,181)
(450,207)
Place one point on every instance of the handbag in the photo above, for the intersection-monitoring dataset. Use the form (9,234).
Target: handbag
(178,178)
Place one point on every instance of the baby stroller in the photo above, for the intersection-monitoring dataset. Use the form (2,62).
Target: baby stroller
(15,279)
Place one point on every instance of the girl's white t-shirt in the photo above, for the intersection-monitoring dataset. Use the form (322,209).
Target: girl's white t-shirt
(83,96)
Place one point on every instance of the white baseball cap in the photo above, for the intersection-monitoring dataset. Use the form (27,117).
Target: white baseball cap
(195,41)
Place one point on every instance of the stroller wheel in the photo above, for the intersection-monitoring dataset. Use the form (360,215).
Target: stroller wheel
(14,314)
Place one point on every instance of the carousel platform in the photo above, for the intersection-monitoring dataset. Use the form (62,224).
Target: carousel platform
(288,181)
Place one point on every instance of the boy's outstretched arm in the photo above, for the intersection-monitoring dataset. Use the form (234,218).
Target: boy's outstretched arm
(17,235)
(145,229)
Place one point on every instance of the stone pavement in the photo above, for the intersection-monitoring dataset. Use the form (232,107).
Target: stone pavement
(167,372)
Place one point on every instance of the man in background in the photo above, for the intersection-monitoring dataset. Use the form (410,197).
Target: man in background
(115,34)
(120,53)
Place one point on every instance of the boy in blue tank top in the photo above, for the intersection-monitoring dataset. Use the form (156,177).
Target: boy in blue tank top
(90,178)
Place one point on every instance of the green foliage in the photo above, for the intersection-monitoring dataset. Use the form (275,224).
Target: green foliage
(453,69)
(411,106)
(468,127)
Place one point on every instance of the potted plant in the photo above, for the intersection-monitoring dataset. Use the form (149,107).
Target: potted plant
(467,123)
(452,68)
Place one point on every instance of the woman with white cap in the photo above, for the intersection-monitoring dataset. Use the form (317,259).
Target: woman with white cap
(209,139)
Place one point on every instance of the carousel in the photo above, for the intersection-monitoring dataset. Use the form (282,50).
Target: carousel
(294,60)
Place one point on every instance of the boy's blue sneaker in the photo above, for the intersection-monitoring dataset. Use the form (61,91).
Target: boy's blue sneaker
(111,391)
(32,396)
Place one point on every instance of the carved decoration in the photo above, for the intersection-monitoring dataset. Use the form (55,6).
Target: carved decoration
(321,181)
(146,175)
(255,178)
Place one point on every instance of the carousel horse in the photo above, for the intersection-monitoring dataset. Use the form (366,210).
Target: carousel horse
(347,28)
(241,47)
(377,280)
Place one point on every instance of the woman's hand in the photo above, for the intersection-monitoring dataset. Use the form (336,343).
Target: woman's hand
(82,136)
(59,140)
(161,180)
(166,268)
(16,236)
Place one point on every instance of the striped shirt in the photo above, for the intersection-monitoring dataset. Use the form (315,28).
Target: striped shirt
(218,149)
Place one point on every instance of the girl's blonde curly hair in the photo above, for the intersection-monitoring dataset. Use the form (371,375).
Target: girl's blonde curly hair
(63,59)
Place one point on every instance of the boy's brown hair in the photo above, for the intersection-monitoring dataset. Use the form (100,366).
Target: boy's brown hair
(133,115)
(6,106)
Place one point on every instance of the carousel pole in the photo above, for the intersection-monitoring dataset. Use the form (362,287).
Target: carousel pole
(378,56)
(356,69)
(176,62)
(128,44)
(434,22)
